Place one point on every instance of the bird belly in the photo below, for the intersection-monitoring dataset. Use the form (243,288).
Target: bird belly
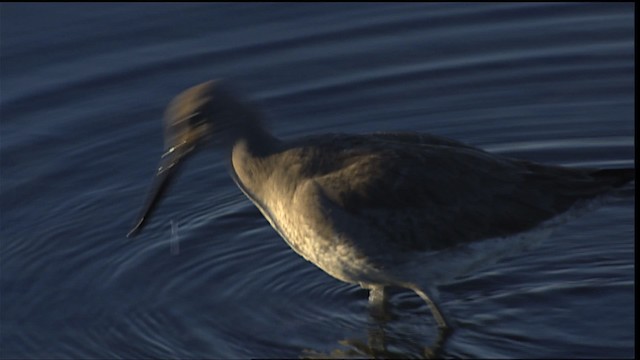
(332,254)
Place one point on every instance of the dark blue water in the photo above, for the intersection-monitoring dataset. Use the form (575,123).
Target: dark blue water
(83,88)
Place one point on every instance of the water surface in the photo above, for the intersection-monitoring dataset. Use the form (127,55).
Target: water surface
(83,88)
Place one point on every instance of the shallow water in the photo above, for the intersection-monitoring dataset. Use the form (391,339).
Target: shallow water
(83,88)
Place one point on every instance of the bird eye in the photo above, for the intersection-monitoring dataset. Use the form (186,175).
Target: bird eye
(196,119)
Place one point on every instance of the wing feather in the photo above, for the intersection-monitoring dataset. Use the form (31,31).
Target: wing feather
(427,193)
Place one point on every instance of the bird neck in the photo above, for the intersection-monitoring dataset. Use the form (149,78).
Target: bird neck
(251,152)
(255,142)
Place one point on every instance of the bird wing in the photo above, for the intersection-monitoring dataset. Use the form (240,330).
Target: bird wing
(422,192)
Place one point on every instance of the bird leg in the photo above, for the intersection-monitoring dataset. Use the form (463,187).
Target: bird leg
(437,314)
(378,302)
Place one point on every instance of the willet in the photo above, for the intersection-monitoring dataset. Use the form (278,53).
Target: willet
(379,210)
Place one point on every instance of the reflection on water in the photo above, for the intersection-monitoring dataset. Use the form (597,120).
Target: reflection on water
(83,90)
(383,342)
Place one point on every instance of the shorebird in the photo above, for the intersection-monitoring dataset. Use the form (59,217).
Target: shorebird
(410,210)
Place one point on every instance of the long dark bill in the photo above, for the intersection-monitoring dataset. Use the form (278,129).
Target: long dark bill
(162,180)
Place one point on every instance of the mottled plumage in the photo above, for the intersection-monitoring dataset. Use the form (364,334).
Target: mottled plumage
(371,209)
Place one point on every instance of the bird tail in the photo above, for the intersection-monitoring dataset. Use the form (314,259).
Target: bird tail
(615,177)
